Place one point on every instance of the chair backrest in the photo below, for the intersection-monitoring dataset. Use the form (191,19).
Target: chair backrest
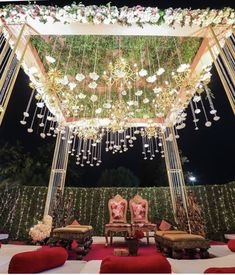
(117,209)
(139,209)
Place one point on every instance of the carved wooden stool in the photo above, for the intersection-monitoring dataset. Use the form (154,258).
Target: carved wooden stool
(82,234)
(175,243)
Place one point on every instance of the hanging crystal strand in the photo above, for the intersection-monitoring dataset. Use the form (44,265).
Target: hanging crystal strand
(107,141)
(195,120)
(49,129)
(82,156)
(208,123)
(89,152)
(143,146)
(92,154)
(43,135)
(156,144)
(125,142)
(99,151)
(176,133)
(53,128)
(151,149)
(84,149)
(74,145)
(30,129)
(197,110)
(212,111)
(95,151)
(26,112)
(40,115)
(41,124)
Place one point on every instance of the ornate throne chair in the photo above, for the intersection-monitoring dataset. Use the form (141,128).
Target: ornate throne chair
(139,216)
(117,213)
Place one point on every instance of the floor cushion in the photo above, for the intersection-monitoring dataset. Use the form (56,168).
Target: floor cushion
(37,261)
(137,264)
(220,270)
(231,245)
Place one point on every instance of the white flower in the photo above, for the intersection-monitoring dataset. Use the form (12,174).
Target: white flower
(182,68)
(124,92)
(64,80)
(94,98)
(81,95)
(157,90)
(107,105)
(98,111)
(92,85)
(143,72)
(196,98)
(130,102)
(139,93)
(50,59)
(119,73)
(206,76)
(94,76)
(33,70)
(151,79)
(160,71)
(72,85)
(79,77)
(146,100)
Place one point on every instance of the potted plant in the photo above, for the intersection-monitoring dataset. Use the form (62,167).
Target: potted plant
(133,242)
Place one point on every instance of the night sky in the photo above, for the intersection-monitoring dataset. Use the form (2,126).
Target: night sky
(211,151)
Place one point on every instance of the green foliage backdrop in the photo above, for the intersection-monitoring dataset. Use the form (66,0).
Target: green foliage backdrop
(22,206)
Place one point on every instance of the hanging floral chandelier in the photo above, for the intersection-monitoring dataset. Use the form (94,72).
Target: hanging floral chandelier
(109,90)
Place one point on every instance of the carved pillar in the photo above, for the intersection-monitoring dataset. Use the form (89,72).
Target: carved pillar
(175,178)
(58,169)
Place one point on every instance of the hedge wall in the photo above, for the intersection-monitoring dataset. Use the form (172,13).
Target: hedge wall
(22,206)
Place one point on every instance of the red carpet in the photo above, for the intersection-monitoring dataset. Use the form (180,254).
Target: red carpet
(99,251)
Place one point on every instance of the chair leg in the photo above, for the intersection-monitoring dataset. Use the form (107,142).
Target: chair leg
(147,236)
(111,238)
(106,237)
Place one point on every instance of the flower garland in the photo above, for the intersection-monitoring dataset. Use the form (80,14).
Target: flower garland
(107,14)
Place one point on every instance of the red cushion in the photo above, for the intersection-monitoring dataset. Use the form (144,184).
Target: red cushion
(37,261)
(137,264)
(164,226)
(220,270)
(75,222)
(231,245)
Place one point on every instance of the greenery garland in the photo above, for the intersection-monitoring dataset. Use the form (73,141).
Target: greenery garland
(22,206)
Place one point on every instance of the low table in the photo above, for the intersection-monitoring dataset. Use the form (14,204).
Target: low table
(82,234)
(175,243)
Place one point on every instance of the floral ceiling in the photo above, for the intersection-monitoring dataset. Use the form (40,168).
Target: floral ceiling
(92,75)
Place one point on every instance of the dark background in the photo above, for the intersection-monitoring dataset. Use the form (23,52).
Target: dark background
(210,151)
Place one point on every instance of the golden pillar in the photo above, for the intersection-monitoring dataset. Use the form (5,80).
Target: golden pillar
(176,178)
(223,54)
(10,67)
(58,169)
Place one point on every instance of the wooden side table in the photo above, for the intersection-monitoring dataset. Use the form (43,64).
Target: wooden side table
(82,234)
